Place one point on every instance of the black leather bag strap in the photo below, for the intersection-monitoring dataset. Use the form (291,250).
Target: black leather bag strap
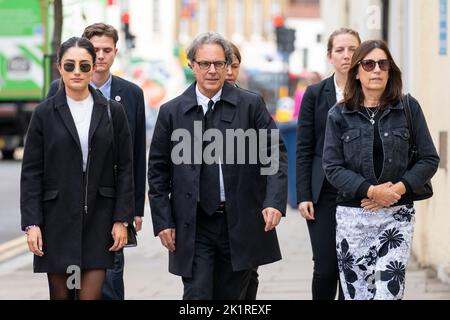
(412,136)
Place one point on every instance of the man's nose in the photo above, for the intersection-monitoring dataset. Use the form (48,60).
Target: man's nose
(212,68)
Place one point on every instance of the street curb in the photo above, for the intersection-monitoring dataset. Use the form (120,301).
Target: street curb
(13,248)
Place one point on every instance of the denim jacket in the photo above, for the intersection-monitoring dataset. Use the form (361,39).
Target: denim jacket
(348,149)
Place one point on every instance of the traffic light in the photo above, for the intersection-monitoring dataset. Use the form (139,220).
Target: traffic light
(129,37)
(285,39)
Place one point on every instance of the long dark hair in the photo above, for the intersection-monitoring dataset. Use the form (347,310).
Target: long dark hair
(353,93)
(75,42)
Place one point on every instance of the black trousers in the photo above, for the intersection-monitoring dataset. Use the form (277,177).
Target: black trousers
(213,277)
(252,288)
(113,287)
(322,232)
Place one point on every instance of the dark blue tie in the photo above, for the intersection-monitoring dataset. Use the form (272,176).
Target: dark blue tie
(209,174)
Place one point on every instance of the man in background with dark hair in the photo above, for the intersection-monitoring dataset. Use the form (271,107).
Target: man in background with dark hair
(104,37)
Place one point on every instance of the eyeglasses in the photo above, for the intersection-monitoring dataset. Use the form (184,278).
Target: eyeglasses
(235,65)
(369,64)
(84,67)
(205,65)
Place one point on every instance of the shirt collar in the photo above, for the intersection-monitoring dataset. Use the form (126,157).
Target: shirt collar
(339,91)
(105,88)
(203,100)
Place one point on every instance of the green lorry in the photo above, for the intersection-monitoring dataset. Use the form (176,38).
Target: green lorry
(23,81)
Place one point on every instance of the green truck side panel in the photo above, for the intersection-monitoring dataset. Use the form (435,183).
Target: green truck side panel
(23,43)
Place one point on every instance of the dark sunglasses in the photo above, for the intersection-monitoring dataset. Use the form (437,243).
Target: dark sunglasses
(369,64)
(84,67)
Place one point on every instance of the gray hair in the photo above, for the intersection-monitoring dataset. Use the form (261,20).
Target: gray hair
(210,38)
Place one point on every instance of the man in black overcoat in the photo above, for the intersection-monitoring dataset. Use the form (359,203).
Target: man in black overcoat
(215,202)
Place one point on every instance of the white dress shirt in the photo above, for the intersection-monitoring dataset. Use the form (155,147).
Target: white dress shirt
(81,113)
(203,100)
(339,91)
(105,88)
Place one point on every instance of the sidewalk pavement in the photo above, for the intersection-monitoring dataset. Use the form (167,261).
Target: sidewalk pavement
(147,277)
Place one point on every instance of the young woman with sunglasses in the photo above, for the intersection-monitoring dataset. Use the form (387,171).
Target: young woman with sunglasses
(315,196)
(366,158)
(74,207)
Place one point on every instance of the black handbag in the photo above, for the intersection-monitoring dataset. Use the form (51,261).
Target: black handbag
(131,230)
(132,236)
(426,191)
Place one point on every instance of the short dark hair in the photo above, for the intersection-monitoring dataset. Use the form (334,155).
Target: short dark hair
(338,32)
(76,42)
(353,93)
(101,29)
(236,52)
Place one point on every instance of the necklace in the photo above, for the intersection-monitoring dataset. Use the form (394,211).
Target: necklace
(372,114)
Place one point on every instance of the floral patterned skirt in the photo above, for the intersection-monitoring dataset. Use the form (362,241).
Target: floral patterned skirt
(373,248)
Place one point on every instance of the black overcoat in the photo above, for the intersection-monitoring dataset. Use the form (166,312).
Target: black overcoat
(174,188)
(132,98)
(53,190)
(316,102)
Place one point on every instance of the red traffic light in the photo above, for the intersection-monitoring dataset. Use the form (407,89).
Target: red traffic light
(278,21)
(125,18)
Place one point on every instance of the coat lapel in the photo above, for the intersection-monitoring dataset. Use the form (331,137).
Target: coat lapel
(230,97)
(116,90)
(330,91)
(189,98)
(64,111)
(97,111)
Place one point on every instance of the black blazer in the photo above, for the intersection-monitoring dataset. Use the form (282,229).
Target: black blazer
(132,98)
(174,188)
(312,120)
(53,193)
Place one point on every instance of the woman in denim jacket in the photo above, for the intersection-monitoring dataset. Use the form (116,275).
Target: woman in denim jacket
(316,197)
(366,158)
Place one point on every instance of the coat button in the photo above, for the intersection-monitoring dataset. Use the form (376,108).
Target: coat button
(188,195)
(192,167)
(186,225)
(347,137)
(386,134)
(390,160)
